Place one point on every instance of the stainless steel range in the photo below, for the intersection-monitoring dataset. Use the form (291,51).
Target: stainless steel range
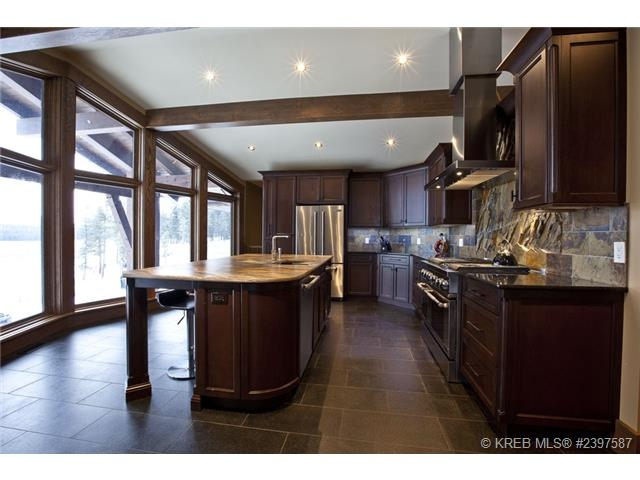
(439,282)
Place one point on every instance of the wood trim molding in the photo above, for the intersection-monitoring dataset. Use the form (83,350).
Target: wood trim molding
(23,39)
(624,431)
(427,103)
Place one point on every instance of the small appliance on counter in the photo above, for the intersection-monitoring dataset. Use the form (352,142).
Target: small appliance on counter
(504,256)
(441,247)
(385,246)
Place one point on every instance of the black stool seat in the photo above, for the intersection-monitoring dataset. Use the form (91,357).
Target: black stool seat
(176,299)
(181,300)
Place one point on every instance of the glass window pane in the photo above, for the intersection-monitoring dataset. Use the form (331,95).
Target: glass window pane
(171,171)
(20,244)
(213,187)
(103,144)
(103,238)
(173,234)
(21,113)
(218,229)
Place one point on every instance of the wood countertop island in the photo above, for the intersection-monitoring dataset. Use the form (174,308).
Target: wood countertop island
(256,324)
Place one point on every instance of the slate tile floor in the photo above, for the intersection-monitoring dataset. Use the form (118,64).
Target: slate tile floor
(372,387)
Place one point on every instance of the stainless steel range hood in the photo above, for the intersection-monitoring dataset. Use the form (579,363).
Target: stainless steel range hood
(474,54)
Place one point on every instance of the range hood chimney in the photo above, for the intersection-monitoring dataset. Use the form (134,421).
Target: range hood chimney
(474,54)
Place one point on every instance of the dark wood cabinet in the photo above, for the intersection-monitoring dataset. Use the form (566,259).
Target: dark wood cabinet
(570,108)
(543,357)
(278,210)
(324,188)
(248,349)
(405,198)
(361,274)
(365,200)
(449,207)
(394,279)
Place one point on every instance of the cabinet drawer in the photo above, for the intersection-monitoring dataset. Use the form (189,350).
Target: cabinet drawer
(361,257)
(479,371)
(481,325)
(483,293)
(395,259)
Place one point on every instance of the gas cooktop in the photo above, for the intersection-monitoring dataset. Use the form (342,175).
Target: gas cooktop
(483,265)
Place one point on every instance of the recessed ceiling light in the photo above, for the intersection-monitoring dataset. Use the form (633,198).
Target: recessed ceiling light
(403,58)
(391,142)
(210,76)
(318,145)
(251,148)
(301,66)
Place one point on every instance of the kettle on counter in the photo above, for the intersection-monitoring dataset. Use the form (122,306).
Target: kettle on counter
(504,256)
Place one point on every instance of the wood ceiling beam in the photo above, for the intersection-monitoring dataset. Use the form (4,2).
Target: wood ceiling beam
(427,103)
(13,40)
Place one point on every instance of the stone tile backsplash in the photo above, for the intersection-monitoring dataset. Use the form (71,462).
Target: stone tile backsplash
(578,243)
(403,240)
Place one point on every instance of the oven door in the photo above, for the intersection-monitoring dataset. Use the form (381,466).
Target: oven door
(439,314)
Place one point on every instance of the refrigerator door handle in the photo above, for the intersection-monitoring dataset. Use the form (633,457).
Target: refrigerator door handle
(322,236)
(315,232)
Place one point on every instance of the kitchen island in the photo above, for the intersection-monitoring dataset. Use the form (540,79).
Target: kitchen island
(256,324)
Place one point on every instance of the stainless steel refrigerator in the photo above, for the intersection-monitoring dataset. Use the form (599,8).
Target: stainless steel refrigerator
(320,231)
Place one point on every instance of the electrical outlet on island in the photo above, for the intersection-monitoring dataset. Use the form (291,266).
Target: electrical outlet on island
(619,254)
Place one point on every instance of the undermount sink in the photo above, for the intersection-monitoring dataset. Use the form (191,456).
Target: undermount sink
(289,262)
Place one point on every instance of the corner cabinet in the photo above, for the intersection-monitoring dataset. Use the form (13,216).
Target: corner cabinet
(278,210)
(543,357)
(405,198)
(365,200)
(570,104)
(448,207)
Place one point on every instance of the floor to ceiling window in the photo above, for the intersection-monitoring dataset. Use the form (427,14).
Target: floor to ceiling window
(103,203)
(22,174)
(174,224)
(220,223)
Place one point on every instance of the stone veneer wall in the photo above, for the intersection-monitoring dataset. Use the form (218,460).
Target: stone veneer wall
(575,242)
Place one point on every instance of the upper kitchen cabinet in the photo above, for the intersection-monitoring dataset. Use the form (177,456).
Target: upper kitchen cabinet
(570,108)
(405,199)
(445,207)
(278,210)
(365,200)
(323,188)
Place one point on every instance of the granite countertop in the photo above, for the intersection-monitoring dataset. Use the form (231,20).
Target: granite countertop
(538,280)
(379,252)
(247,268)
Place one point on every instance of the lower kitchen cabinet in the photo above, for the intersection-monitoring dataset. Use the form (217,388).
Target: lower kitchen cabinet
(393,279)
(361,274)
(543,357)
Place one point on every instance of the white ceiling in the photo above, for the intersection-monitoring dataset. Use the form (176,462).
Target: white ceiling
(166,70)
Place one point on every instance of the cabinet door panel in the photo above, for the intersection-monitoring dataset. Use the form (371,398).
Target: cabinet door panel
(435,207)
(402,284)
(308,189)
(532,133)
(361,278)
(394,196)
(415,198)
(589,113)
(365,201)
(269,339)
(334,189)
(387,281)
(218,344)
(285,204)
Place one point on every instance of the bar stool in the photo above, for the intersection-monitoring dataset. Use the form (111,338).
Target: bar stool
(181,300)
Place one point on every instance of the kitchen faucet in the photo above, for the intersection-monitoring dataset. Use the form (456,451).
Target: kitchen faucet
(275,255)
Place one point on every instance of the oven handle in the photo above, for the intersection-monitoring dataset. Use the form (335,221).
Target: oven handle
(430,294)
